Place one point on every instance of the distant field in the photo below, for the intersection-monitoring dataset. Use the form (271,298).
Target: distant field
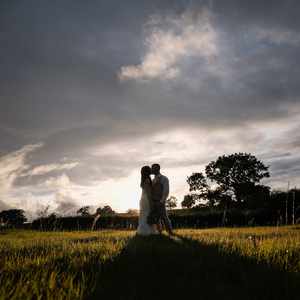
(247,263)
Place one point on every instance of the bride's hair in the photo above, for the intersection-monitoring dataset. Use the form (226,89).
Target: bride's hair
(145,174)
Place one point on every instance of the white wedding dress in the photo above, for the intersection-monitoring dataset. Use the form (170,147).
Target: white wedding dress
(144,228)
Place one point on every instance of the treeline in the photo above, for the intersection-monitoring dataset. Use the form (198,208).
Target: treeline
(274,211)
(197,220)
(84,223)
(273,214)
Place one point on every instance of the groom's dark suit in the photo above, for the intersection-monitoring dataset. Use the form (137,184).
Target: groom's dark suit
(160,192)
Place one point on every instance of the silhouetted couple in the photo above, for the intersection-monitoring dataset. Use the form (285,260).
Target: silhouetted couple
(153,213)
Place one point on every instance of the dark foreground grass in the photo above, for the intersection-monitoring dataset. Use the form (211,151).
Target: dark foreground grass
(250,263)
(182,268)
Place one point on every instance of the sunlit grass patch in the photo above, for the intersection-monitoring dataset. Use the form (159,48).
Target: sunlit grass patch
(64,264)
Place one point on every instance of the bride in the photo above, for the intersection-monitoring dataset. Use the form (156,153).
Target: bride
(146,184)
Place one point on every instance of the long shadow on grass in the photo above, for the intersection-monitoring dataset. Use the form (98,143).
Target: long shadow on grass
(159,267)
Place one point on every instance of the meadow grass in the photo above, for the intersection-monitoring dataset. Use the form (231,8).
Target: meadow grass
(227,263)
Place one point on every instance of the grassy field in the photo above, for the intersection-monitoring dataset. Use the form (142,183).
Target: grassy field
(244,263)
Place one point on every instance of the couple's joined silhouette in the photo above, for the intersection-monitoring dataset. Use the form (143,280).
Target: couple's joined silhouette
(153,214)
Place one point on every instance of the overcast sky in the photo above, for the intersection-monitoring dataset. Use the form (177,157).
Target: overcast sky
(90,91)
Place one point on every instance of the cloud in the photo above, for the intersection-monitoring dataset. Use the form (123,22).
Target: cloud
(4,206)
(12,165)
(171,41)
(59,183)
(278,36)
(65,205)
(44,169)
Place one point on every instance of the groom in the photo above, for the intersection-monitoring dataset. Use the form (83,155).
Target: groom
(160,192)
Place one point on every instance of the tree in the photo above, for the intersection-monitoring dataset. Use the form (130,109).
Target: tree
(105,211)
(237,173)
(13,216)
(188,201)
(171,202)
(202,190)
(84,211)
(197,182)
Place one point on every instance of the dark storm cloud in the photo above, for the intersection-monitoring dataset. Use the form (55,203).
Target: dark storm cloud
(61,59)
(59,79)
